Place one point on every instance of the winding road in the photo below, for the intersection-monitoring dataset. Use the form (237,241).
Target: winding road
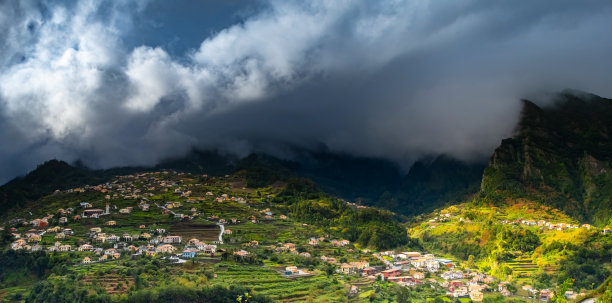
(221,233)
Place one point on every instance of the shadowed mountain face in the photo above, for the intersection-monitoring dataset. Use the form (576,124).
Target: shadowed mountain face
(48,177)
(45,179)
(561,155)
(429,184)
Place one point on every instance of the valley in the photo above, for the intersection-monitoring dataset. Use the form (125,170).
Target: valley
(159,231)
(261,229)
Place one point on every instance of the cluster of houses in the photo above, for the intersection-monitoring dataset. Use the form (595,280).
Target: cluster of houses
(413,268)
(526,222)
(403,268)
(195,247)
(441,218)
(32,238)
(553,226)
(226,197)
(157,241)
(135,186)
(544,224)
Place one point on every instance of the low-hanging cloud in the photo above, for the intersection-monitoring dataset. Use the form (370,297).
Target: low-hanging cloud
(392,79)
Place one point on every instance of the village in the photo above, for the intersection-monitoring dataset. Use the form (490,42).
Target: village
(111,227)
(542,224)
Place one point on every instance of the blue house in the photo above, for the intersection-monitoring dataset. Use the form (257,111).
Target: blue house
(189,253)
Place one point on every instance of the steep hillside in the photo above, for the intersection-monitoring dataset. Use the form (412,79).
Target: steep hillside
(429,184)
(561,156)
(45,179)
(522,241)
(50,176)
(433,183)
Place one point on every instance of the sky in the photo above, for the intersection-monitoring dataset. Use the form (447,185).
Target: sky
(132,82)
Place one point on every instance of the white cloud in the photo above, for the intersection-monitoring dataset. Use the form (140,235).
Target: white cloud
(391,78)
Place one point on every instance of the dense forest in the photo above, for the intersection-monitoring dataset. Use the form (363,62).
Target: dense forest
(370,227)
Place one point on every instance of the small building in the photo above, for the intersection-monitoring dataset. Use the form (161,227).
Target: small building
(87,260)
(390,273)
(291,270)
(165,248)
(546,294)
(172,239)
(85,247)
(209,249)
(505,292)
(476,296)
(126,210)
(189,253)
(88,213)
(368,271)
(348,268)
(241,253)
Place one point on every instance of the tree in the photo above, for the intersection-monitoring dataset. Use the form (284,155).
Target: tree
(559,296)
(470,262)
(7,236)
(402,294)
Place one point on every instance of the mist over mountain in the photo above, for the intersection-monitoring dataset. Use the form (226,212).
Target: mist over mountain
(131,83)
(561,155)
(305,151)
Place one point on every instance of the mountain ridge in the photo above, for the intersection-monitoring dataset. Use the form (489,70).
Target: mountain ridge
(429,184)
(560,156)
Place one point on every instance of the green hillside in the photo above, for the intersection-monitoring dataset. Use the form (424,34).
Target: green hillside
(561,156)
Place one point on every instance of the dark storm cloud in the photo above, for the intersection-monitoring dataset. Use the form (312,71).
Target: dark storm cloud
(392,79)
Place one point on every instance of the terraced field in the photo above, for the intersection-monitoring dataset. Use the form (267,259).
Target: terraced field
(205,232)
(112,283)
(265,280)
(522,266)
